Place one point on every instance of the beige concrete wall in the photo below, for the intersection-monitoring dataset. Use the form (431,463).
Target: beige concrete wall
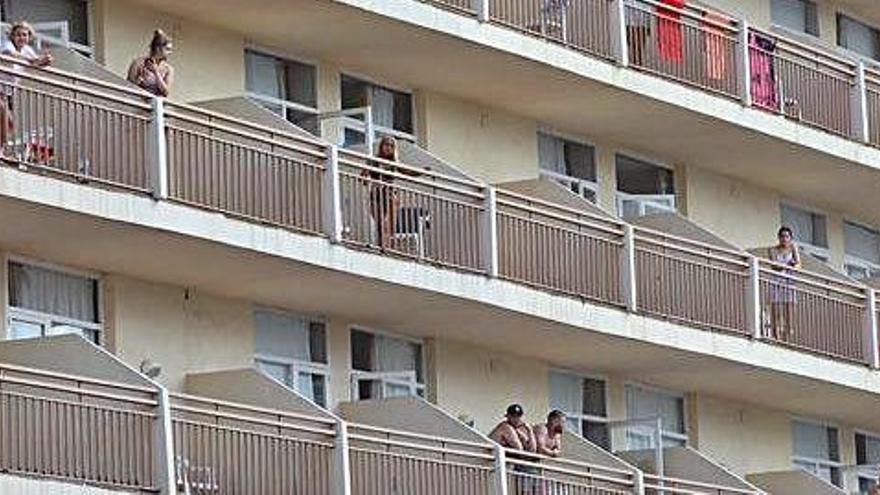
(486,142)
(208,62)
(479,384)
(743,438)
(741,213)
(184,331)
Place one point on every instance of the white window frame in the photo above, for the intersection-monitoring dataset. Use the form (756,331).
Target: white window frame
(869,472)
(818,463)
(578,186)
(47,320)
(665,434)
(580,415)
(296,366)
(348,122)
(823,254)
(386,378)
(849,260)
(664,202)
(285,105)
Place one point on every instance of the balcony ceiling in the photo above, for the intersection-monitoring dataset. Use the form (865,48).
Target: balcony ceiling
(129,248)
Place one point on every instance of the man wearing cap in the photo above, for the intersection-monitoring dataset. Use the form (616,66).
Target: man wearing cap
(514,433)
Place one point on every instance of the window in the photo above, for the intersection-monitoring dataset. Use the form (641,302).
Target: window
(797,15)
(809,228)
(53,19)
(44,302)
(643,188)
(583,401)
(858,37)
(645,405)
(862,246)
(392,110)
(816,449)
(568,162)
(385,366)
(293,350)
(867,460)
(285,87)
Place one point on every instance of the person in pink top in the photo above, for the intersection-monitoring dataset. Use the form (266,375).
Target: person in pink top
(16,46)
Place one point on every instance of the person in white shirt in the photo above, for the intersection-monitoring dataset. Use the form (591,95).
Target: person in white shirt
(17,46)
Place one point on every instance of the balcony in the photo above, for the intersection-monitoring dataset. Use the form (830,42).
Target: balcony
(108,135)
(239,431)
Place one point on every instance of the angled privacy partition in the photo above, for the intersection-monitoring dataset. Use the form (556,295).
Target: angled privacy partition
(794,482)
(72,411)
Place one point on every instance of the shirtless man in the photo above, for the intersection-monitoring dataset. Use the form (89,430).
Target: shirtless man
(513,433)
(548,436)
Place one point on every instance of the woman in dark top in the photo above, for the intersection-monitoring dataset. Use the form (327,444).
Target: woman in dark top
(383,196)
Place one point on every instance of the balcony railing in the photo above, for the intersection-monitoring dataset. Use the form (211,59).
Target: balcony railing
(559,248)
(813,312)
(536,474)
(692,45)
(392,461)
(222,447)
(242,169)
(294,181)
(691,282)
(78,127)
(707,49)
(77,428)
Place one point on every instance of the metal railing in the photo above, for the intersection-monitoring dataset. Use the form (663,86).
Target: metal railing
(411,212)
(691,45)
(538,475)
(813,312)
(691,282)
(77,428)
(872,103)
(245,170)
(558,248)
(587,189)
(76,127)
(224,447)
(387,461)
(803,83)
(708,49)
(467,7)
(297,182)
(579,24)
(665,485)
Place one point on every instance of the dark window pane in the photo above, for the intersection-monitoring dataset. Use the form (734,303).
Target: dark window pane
(318,342)
(361,351)
(403,114)
(597,433)
(319,391)
(580,161)
(354,93)
(594,397)
(640,177)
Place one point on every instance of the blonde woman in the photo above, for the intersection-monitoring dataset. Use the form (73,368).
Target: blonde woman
(17,46)
(153,73)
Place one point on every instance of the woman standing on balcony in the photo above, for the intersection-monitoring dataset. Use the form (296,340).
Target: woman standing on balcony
(785,256)
(153,73)
(383,196)
(17,46)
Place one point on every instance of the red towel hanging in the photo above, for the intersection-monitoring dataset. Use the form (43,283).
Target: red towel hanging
(669,36)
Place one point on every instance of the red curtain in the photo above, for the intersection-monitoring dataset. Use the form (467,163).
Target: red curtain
(669,36)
